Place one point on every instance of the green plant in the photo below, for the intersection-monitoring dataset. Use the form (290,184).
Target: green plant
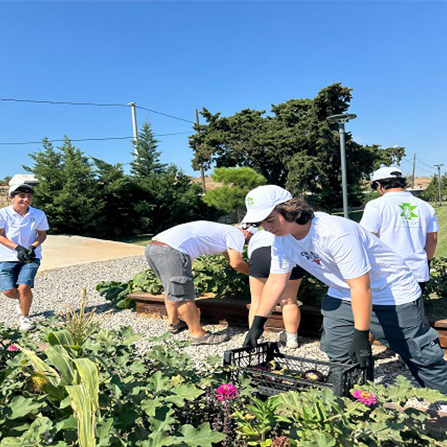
(437,284)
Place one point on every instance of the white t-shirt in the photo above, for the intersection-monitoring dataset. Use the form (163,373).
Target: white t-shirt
(402,221)
(336,249)
(203,238)
(260,239)
(21,230)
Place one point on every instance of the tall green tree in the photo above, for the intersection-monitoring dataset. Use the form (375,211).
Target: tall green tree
(294,147)
(67,191)
(431,193)
(147,158)
(237,182)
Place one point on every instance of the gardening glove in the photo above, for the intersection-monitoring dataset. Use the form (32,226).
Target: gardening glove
(31,253)
(360,349)
(22,254)
(256,330)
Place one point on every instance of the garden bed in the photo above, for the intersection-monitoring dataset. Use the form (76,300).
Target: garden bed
(235,313)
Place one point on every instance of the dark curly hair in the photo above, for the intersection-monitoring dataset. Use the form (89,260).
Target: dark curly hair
(296,210)
(390,183)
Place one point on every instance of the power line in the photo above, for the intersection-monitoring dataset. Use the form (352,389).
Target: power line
(69,103)
(91,139)
(426,164)
(417,167)
(164,114)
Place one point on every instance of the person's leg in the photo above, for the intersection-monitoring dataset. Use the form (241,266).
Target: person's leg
(406,331)
(190,315)
(25,299)
(338,329)
(9,273)
(291,314)
(256,288)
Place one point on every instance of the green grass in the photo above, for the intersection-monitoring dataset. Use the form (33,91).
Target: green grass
(141,239)
(441,214)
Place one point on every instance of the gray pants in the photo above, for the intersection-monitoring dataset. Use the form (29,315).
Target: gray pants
(404,329)
(174,270)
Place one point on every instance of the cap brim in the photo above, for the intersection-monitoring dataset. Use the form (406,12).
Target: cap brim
(257,216)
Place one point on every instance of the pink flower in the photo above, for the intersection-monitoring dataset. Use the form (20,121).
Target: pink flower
(365,396)
(226,392)
(12,348)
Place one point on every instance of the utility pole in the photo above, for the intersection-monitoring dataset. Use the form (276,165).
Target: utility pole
(134,124)
(414,169)
(202,172)
(439,182)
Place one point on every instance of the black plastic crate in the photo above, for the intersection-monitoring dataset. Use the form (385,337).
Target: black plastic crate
(259,363)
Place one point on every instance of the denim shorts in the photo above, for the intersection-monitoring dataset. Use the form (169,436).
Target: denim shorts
(14,273)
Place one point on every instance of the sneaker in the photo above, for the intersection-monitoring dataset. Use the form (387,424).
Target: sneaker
(209,339)
(25,323)
(176,328)
(283,341)
(18,310)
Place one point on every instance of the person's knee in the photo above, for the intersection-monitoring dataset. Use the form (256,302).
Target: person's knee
(12,293)
(287,302)
(24,289)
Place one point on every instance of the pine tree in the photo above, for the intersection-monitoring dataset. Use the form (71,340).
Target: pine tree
(147,158)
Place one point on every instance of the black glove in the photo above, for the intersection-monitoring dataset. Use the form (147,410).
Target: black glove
(31,253)
(256,330)
(360,349)
(22,253)
(25,255)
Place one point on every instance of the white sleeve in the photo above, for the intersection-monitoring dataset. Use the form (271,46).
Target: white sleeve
(43,224)
(433,226)
(235,240)
(371,218)
(280,263)
(350,255)
(2,221)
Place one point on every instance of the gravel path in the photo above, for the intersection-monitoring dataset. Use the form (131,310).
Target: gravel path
(55,289)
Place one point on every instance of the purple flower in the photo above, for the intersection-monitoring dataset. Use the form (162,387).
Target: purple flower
(226,392)
(365,396)
(12,348)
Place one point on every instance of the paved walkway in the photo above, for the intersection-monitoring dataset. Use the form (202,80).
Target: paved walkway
(62,251)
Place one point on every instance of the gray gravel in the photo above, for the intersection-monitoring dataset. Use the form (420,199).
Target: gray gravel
(55,289)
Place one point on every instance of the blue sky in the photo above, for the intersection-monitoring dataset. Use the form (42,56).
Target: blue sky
(174,57)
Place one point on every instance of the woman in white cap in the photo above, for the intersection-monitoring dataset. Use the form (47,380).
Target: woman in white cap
(370,286)
(404,222)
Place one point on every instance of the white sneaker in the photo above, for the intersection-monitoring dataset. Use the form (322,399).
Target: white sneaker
(18,310)
(287,342)
(25,323)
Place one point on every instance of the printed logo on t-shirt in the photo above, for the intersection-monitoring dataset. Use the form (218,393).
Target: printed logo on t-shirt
(311,257)
(32,220)
(408,211)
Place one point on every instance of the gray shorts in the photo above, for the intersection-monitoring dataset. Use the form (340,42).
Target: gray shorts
(174,270)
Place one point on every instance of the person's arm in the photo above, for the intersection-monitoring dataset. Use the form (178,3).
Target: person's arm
(361,301)
(41,237)
(430,245)
(361,304)
(273,290)
(236,261)
(5,241)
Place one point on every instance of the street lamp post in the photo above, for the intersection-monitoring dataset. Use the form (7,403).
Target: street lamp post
(341,120)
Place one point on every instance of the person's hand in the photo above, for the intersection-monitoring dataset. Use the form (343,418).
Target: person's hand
(31,253)
(360,349)
(22,253)
(256,330)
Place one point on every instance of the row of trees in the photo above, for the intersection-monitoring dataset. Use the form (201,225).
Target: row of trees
(294,147)
(84,195)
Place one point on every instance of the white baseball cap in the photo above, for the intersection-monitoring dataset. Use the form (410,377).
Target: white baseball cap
(261,201)
(21,188)
(387,172)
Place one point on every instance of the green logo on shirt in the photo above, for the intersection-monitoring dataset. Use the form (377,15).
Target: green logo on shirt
(407,211)
(250,201)
(32,219)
